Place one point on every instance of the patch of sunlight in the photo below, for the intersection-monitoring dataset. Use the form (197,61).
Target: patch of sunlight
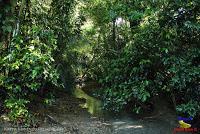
(145,21)
(198,18)
(120,21)
(87,25)
(119,123)
(107,124)
(5,118)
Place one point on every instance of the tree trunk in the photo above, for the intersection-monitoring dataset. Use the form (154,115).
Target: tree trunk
(114,34)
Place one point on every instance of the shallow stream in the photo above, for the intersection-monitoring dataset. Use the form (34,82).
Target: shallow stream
(90,103)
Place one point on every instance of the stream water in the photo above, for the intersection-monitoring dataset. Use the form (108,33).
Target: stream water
(92,104)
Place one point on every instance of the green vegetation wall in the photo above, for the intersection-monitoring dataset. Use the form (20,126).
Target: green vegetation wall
(159,53)
(30,36)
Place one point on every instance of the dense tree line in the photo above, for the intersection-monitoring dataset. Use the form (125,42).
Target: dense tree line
(34,34)
(155,50)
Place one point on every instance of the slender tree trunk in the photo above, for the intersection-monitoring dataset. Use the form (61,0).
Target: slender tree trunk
(114,33)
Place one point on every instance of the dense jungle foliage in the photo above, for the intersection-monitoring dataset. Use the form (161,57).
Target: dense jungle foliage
(135,49)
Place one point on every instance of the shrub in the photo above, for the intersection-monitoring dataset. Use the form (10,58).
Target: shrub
(27,67)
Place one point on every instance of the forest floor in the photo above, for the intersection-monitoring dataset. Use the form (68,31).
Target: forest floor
(65,116)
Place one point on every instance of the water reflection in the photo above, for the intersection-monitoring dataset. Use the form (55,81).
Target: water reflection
(92,104)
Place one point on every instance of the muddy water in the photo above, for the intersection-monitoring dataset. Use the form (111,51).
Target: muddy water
(92,104)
